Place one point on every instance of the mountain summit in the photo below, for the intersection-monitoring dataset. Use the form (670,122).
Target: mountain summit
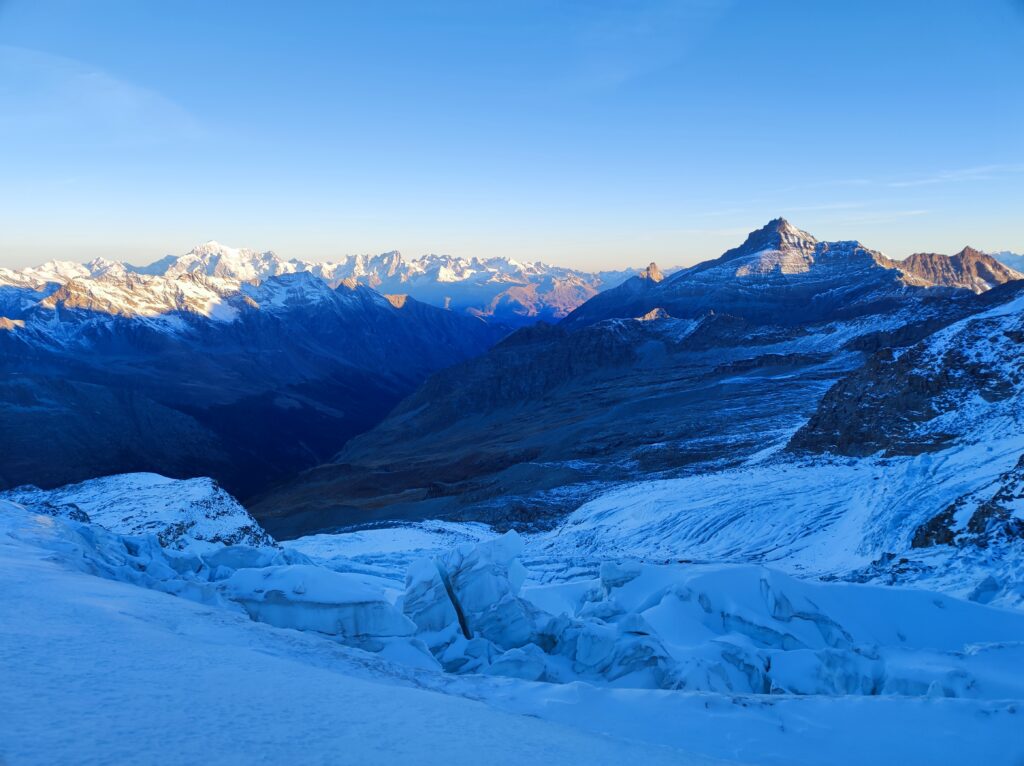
(652,273)
(781,274)
(969,269)
(503,289)
(778,235)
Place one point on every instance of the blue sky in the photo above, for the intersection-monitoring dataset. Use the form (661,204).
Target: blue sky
(593,134)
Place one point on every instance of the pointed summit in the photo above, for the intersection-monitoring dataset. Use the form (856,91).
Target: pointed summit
(652,273)
(970,252)
(777,234)
(783,226)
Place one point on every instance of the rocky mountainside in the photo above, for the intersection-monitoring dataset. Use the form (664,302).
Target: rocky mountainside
(923,398)
(969,269)
(499,289)
(554,415)
(203,374)
(908,472)
(782,275)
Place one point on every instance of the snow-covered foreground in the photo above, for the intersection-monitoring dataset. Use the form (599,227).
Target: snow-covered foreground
(227,654)
(100,671)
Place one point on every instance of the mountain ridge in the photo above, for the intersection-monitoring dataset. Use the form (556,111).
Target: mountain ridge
(806,280)
(498,288)
(245,381)
(654,385)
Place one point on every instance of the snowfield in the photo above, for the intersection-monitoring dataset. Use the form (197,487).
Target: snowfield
(176,511)
(818,518)
(117,648)
(99,671)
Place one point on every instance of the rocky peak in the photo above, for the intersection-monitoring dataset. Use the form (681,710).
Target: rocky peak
(654,314)
(652,273)
(393,262)
(970,253)
(969,269)
(778,234)
(217,260)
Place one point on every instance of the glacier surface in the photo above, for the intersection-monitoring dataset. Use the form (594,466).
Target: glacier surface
(315,651)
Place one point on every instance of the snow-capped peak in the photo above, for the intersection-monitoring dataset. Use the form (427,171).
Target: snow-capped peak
(202,279)
(217,260)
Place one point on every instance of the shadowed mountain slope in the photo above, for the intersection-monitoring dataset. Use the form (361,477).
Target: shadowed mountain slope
(554,415)
(196,375)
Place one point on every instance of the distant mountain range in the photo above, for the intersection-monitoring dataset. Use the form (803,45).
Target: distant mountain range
(783,275)
(1013,260)
(250,368)
(210,371)
(498,289)
(658,377)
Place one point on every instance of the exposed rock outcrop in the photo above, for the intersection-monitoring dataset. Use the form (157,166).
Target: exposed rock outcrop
(969,269)
(916,401)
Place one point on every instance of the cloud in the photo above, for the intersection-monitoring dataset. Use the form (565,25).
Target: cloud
(980,173)
(46,98)
(880,216)
(614,43)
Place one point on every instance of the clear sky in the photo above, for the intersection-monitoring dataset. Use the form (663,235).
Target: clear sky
(592,134)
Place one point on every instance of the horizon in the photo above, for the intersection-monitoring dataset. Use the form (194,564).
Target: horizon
(148,261)
(593,137)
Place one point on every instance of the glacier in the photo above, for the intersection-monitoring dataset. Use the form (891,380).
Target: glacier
(320,648)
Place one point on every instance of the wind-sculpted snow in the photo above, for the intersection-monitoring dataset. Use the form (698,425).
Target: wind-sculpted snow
(845,519)
(97,671)
(719,628)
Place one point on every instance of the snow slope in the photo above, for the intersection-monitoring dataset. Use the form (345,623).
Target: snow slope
(934,502)
(174,510)
(811,517)
(99,670)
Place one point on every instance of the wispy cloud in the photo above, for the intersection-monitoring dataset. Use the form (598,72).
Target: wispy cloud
(826,184)
(980,173)
(70,102)
(617,42)
(881,216)
(825,207)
